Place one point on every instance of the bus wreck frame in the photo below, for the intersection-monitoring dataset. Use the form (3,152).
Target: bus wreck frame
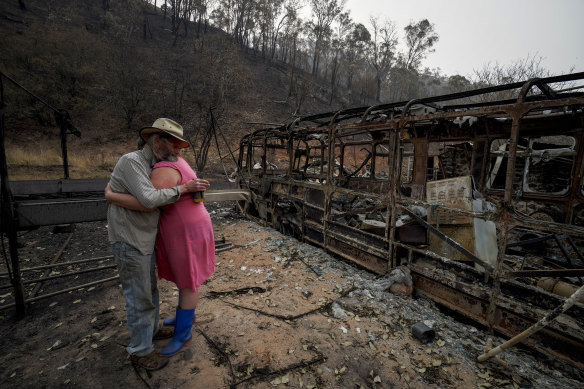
(480,194)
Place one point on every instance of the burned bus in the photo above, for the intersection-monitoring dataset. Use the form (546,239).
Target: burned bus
(479,194)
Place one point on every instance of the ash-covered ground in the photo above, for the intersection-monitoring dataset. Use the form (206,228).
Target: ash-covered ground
(276,313)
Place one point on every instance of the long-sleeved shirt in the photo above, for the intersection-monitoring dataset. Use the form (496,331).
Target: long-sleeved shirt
(132,175)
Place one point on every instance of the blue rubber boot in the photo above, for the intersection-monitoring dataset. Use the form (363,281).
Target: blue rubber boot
(182,332)
(171,321)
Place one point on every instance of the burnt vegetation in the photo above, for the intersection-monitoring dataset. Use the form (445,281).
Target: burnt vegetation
(115,65)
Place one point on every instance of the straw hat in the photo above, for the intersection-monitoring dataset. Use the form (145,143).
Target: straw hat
(167,126)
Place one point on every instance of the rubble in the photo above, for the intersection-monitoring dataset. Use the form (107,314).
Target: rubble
(272,328)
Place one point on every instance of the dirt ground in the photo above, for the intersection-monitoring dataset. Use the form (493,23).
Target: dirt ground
(276,313)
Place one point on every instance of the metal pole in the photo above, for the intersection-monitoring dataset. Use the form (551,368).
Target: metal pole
(9,220)
(64,143)
(394,160)
(61,264)
(55,259)
(48,278)
(547,319)
(504,220)
(62,291)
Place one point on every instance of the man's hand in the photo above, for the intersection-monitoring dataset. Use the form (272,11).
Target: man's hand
(194,185)
(108,192)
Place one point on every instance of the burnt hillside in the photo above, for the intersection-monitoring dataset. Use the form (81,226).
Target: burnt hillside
(118,69)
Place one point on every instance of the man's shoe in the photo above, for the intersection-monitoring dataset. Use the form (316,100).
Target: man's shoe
(151,362)
(163,333)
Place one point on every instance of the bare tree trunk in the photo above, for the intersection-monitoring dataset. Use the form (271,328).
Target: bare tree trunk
(315,63)
(199,26)
(175,39)
(147,30)
(378,93)
(300,95)
(285,53)
(334,77)
(293,67)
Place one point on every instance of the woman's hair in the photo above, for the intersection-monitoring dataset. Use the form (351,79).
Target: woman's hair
(141,143)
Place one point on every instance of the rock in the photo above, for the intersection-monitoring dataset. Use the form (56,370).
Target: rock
(338,312)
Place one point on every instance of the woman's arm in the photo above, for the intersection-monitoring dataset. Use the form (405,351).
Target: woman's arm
(125,200)
(165,177)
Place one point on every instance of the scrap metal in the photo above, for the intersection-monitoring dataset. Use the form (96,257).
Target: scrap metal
(355,182)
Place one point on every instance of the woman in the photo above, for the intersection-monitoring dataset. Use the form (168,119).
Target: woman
(185,245)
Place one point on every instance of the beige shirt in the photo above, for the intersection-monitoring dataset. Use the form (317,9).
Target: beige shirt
(132,175)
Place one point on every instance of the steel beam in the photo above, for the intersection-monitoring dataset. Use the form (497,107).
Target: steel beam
(48,213)
(36,187)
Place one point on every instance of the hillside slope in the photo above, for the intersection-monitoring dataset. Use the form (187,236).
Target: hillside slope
(117,70)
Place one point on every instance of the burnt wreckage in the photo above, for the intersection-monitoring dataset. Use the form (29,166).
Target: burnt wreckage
(480,194)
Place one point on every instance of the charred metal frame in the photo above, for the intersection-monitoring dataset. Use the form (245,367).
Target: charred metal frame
(30,204)
(307,179)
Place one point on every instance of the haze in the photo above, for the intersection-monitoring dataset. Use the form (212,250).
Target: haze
(476,33)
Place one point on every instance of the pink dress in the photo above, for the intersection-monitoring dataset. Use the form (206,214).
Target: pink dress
(185,246)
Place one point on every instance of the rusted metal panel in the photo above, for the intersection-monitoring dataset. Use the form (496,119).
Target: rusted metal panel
(526,301)
(314,213)
(463,235)
(314,233)
(369,240)
(354,254)
(507,321)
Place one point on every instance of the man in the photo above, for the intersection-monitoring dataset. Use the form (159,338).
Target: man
(132,234)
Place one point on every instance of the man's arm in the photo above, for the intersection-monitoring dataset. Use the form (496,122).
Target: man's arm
(138,183)
(125,200)
(132,177)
